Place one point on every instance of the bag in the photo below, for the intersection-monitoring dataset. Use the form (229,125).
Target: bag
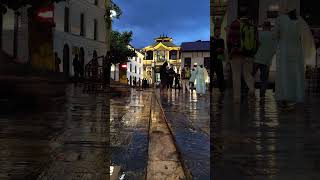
(248,39)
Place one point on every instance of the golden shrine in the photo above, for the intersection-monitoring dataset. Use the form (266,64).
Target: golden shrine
(163,50)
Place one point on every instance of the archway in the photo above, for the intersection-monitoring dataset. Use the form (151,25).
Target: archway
(66,60)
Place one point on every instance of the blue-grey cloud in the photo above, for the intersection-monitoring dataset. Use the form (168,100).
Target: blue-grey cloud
(183,20)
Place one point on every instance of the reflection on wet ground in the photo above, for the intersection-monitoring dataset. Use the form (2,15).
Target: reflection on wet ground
(129,128)
(258,140)
(188,118)
(66,141)
(163,160)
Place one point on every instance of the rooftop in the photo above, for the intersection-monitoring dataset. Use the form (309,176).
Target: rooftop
(195,46)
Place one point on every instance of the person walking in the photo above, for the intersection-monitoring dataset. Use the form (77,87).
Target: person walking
(295,46)
(185,76)
(218,57)
(57,62)
(241,49)
(263,58)
(201,80)
(76,67)
(192,78)
(163,77)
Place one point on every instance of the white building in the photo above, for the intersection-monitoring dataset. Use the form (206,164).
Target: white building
(135,67)
(195,53)
(22,35)
(80,29)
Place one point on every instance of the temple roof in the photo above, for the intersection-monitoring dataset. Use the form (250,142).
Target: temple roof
(168,44)
(195,46)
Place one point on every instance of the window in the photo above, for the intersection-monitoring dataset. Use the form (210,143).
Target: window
(173,55)
(130,67)
(82,24)
(66,19)
(135,69)
(95,29)
(149,55)
(187,62)
(96,2)
(206,62)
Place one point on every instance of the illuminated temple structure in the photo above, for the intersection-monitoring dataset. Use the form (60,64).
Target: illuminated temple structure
(163,50)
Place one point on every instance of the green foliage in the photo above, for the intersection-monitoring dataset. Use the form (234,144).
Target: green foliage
(119,49)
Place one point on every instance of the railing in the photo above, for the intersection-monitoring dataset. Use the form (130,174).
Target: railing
(94,80)
(313,80)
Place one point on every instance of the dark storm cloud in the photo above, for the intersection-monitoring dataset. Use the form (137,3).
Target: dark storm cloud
(183,20)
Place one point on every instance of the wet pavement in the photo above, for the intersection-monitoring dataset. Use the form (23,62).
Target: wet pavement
(258,140)
(66,139)
(163,160)
(129,133)
(189,122)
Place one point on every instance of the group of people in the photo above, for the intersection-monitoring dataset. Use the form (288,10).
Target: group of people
(190,79)
(250,51)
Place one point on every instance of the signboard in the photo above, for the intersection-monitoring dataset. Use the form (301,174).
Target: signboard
(46,14)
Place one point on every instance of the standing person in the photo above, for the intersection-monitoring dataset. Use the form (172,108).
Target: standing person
(293,35)
(185,76)
(241,48)
(263,58)
(192,78)
(171,77)
(177,82)
(200,80)
(218,49)
(163,77)
(76,67)
(57,62)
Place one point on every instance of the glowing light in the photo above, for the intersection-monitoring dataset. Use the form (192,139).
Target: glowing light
(124,66)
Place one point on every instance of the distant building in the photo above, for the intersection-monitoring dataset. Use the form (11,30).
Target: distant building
(197,52)
(163,50)
(135,67)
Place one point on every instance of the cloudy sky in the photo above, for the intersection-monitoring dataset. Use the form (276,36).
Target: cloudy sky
(183,20)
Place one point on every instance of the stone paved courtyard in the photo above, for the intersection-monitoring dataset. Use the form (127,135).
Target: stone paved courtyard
(259,140)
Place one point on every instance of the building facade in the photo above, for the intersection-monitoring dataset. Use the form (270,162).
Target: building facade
(195,53)
(11,20)
(135,67)
(80,29)
(163,50)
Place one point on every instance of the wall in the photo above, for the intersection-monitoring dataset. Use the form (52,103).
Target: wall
(135,62)
(196,57)
(7,36)
(73,39)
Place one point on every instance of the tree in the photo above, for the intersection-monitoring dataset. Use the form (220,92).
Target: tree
(119,50)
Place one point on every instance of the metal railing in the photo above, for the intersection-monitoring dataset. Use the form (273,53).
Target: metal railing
(94,80)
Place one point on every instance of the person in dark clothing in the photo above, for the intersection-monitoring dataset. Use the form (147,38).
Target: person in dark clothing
(77,69)
(57,62)
(163,76)
(177,82)
(171,77)
(218,48)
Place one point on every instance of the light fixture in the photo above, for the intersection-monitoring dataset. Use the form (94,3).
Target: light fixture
(113,13)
